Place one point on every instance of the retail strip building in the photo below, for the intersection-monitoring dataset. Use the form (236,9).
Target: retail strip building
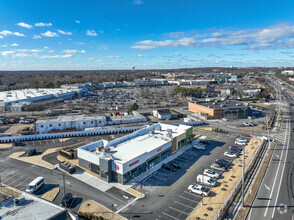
(130,157)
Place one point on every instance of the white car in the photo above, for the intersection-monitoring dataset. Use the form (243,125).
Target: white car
(230,154)
(241,143)
(199,146)
(211,173)
(198,189)
(241,139)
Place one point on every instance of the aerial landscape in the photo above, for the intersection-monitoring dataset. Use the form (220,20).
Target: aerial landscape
(136,109)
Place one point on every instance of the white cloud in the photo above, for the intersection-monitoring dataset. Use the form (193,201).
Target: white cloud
(56,56)
(45,47)
(24,25)
(177,54)
(49,34)
(7,53)
(149,44)
(3,45)
(113,56)
(64,33)
(22,55)
(138,2)
(30,50)
(276,36)
(74,51)
(9,33)
(14,45)
(41,24)
(140,55)
(36,36)
(77,22)
(91,33)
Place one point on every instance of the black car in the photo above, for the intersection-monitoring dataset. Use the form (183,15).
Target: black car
(32,152)
(66,201)
(175,164)
(204,142)
(168,167)
(292,129)
(222,162)
(233,151)
(235,148)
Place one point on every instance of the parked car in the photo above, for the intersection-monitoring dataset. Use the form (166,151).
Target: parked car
(199,146)
(206,180)
(32,152)
(66,200)
(230,154)
(168,167)
(241,139)
(211,173)
(234,151)
(198,189)
(205,142)
(35,185)
(217,167)
(235,148)
(223,161)
(175,164)
(241,143)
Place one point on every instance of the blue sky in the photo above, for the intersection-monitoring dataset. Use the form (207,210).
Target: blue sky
(147,34)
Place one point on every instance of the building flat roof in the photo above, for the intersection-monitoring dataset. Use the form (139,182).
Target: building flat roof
(32,208)
(142,141)
(23,94)
(220,104)
(65,118)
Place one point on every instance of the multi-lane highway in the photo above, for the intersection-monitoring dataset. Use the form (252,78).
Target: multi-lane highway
(274,199)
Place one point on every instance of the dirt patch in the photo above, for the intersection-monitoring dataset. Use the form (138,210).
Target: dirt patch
(51,195)
(91,209)
(205,128)
(16,128)
(221,195)
(64,139)
(5,146)
(8,192)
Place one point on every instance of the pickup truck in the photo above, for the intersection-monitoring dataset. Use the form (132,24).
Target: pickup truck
(198,189)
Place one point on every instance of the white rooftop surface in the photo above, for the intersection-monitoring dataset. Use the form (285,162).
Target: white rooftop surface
(135,147)
(32,208)
(15,95)
(70,118)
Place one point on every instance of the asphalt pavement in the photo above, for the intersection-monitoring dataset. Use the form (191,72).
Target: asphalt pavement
(274,199)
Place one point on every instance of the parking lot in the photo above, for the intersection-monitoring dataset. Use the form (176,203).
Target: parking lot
(171,188)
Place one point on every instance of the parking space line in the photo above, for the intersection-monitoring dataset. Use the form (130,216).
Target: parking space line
(25,180)
(163,175)
(178,210)
(170,216)
(17,179)
(33,143)
(168,174)
(184,205)
(1,174)
(9,173)
(193,194)
(188,199)
(53,141)
(7,181)
(40,142)
(182,160)
(46,141)
(165,171)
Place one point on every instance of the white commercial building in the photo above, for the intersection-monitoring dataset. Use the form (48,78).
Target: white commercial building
(8,98)
(130,157)
(288,72)
(82,122)
(163,114)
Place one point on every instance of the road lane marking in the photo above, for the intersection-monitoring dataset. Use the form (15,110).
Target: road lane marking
(274,181)
(285,158)
(128,204)
(170,216)
(178,210)
(193,194)
(25,180)
(267,187)
(188,199)
(184,205)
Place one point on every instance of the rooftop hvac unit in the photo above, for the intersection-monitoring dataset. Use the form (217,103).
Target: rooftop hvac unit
(19,200)
(107,149)
(99,149)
